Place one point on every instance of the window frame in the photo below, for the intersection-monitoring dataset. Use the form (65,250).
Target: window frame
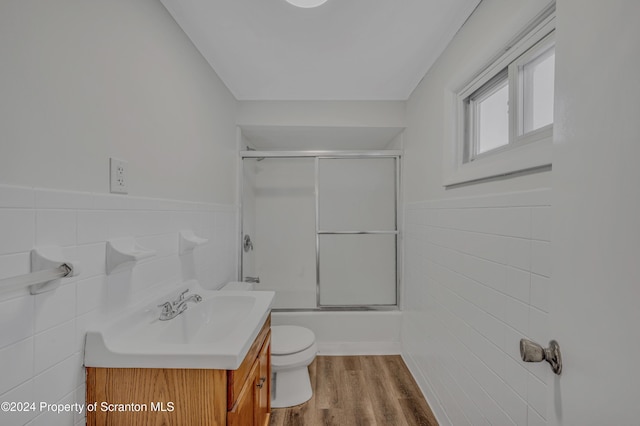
(525,151)
(471,116)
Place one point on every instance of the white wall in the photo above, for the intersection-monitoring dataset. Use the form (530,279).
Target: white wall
(476,268)
(596,210)
(322,113)
(80,82)
(487,31)
(85,81)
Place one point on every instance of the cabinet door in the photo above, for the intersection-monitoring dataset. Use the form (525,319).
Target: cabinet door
(263,385)
(243,413)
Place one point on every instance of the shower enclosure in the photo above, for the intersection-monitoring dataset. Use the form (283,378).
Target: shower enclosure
(320,228)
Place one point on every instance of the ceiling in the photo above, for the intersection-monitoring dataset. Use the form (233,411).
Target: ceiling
(342,50)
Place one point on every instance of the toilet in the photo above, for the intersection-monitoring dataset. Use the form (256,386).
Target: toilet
(293,348)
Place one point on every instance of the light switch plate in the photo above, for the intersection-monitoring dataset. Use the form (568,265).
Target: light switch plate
(118,176)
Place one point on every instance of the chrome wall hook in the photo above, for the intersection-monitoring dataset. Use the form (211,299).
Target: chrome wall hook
(248,245)
(532,352)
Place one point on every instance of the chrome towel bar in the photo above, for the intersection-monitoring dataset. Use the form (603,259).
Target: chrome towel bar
(38,277)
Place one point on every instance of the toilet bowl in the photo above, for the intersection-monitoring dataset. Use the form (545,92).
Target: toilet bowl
(293,348)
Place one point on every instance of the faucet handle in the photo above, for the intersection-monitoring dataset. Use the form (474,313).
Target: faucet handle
(181,297)
(167,307)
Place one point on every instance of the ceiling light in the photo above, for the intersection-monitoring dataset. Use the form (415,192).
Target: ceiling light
(307,4)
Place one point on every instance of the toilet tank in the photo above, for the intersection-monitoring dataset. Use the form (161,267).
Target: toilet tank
(237,286)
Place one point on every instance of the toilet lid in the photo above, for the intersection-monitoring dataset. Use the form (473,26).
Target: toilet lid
(289,339)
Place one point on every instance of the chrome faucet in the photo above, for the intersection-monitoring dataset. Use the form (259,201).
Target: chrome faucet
(172,309)
(252,280)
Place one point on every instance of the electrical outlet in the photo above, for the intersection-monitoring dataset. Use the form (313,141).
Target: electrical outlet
(118,176)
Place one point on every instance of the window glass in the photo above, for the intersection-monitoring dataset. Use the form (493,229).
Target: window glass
(538,77)
(492,118)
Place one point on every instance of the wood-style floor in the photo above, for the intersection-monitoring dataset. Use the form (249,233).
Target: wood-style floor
(359,390)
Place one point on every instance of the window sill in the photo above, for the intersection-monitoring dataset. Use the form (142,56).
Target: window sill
(525,157)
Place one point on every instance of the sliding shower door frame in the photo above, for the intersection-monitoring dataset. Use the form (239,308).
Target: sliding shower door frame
(319,155)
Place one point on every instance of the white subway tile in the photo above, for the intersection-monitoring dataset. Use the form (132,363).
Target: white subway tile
(534,418)
(541,262)
(90,320)
(517,315)
(54,345)
(454,399)
(513,405)
(59,380)
(81,399)
(111,202)
(541,223)
(56,199)
(93,226)
(16,197)
(516,376)
(49,416)
(12,265)
(55,307)
(540,288)
(512,342)
(92,258)
(165,244)
(16,364)
(539,326)
(479,318)
(55,227)
(518,284)
(26,393)
(519,253)
(17,228)
(155,271)
(16,320)
(537,395)
(43,335)
(121,224)
(485,246)
(90,293)
(487,406)
(488,273)
(491,328)
(510,222)
(118,291)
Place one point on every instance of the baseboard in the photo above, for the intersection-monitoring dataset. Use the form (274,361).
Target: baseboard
(427,391)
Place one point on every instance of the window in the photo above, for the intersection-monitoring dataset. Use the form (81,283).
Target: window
(503,119)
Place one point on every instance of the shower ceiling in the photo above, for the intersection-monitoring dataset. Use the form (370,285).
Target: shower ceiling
(342,50)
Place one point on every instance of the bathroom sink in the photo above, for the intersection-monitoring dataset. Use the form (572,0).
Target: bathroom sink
(214,333)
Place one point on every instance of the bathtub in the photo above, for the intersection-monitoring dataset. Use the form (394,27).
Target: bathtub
(348,333)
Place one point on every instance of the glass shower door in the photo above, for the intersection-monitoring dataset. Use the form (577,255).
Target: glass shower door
(278,214)
(356,229)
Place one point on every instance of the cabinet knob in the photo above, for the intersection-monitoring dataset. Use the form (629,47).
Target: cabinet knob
(261,383)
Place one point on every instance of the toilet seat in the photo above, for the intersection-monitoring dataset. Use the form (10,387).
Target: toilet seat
(290,339)
(298,359)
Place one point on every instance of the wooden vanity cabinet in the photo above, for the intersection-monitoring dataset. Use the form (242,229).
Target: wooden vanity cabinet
(249,398)
(177,397)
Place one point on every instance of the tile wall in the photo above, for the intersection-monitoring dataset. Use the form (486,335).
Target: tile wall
(42,336)
(477,279)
